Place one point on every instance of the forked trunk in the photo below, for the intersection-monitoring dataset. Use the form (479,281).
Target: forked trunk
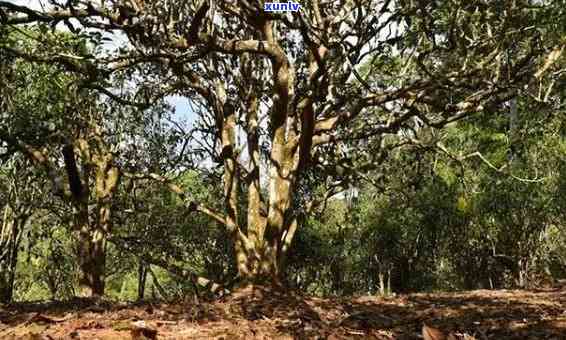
(260,263)
(260,268)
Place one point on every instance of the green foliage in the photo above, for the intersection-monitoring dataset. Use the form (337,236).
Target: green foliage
(46,270)
(445,224)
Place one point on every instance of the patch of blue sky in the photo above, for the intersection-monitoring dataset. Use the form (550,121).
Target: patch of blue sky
(182,107)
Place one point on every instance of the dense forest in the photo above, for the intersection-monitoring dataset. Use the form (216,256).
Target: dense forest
(169,150)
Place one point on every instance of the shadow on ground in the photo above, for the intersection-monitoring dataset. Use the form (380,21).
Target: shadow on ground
(260,313)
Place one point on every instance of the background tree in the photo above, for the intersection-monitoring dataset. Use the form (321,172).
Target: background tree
(21,197)
(70,125)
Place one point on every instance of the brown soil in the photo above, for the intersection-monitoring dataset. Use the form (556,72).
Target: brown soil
(256,313)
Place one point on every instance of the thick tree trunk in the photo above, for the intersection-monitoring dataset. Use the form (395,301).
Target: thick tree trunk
(256,255)
(92,232)
(258,267)
(92,262)
(263,262)
(262,243)
(91,252)
(90,249)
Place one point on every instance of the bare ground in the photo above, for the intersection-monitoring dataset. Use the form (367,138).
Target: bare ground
(255,313)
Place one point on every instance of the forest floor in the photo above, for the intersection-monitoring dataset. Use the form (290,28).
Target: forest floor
(254,313)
